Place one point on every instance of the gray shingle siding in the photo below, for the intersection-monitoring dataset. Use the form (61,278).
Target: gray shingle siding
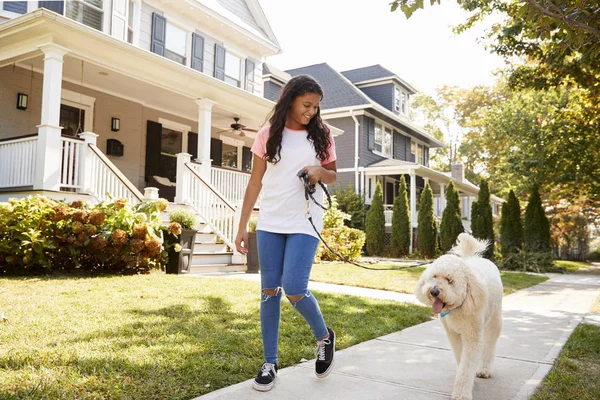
(146,25)
(382,94)
(272,91)
(240,8)
(344,144)
(367,157)
(400,146)
(343,180)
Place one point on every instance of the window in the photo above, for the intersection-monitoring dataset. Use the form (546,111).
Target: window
(233,69)
(171,142)
(383,140)
(229,156)
(130,23)
(19,7)
(418,152)
(420,155)
(175,43)
(413,149)
(88,12)
(400,101)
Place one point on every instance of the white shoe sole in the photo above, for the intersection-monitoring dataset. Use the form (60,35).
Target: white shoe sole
(263,388)
(324,374)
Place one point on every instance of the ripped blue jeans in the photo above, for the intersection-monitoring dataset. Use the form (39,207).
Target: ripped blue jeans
(285,263)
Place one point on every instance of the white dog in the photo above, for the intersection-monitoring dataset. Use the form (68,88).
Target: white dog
(466,290)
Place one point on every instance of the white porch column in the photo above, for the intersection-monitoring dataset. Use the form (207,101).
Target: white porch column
(204,128)
(442,198)
(413,205)
(49,152)
(182,189)
(86,161)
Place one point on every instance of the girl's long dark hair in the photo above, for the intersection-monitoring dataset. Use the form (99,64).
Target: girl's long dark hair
(318,133)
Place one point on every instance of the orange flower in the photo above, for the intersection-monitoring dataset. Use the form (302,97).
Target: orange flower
(120,203)
(153,246)
(119,237)
(140,231)
(77,227)
(80,216)
(137,245)
(97,217)
(163,204)
(60,212)
(99,242)
(175,228)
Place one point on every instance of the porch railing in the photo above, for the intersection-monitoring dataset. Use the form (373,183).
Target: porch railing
(232,184)
(17,161)
(105,179)
(209,203)
(70,172)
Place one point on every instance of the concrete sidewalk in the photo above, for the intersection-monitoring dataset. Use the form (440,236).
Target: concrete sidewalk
(417,363)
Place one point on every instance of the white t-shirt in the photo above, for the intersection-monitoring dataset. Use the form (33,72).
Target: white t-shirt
(283,206)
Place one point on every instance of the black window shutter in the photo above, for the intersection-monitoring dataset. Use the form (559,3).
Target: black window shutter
(426,156)
(246,159)
(219,62)
(56,6)
(197,52)
(193,144)
(250,75)
(216,151)
(371,132)
(159,31)
(19,7)
(153,144)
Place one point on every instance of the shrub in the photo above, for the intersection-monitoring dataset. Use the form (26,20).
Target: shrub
(185,218)
(41,235)
(530,262)
(426,232)
(346,241)
(451,225)
(375,227)
(400,241)
(511,227)
(482,220)
(353,204)
(536,228)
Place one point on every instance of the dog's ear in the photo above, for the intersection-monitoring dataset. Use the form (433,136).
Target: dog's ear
(476,294)
(419,286)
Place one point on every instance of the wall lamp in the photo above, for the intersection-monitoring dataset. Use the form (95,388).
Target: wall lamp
(22,100)
(115,124)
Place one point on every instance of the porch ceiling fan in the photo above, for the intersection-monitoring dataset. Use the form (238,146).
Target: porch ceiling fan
(237,128)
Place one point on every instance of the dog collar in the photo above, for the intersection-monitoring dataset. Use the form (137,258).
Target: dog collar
(443,314)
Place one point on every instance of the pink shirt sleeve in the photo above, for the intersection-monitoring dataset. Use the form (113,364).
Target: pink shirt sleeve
(331,156)
(260,142)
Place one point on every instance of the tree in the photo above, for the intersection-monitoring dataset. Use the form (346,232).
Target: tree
(375,226)
(426,232)
(352,203)
(511,227)
(482,220)
(401,222)
(536,228)
(451,225)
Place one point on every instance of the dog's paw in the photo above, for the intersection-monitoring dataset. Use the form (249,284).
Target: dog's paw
(484,373)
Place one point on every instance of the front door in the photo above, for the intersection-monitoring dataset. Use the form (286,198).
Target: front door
(389,193)
(72,120)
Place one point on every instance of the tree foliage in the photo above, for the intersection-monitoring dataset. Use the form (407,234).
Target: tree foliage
(375,226)
(511,226)
(451,225)
(536,228)
(426,232)
(482,220)
(352,203)
(400,241)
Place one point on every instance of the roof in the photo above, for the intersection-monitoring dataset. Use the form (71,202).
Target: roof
(373,73)
(339,92)
(276,73)
(391,163)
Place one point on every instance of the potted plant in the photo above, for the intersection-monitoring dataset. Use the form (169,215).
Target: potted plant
(252,263)
(180,261)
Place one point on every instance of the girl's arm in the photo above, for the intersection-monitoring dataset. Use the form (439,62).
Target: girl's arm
(259,166)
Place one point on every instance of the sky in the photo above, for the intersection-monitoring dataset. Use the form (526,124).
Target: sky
(349,34)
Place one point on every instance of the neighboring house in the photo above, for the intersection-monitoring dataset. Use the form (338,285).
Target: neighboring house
(371,104)
(100,96)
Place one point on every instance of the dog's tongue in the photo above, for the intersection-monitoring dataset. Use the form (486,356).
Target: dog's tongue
(437,306)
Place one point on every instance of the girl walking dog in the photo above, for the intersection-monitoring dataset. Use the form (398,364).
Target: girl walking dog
(297,140)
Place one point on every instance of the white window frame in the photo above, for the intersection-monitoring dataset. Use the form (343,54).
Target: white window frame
(176,126)
(235,143)
(400,100)
(106,16)
(384,128)
(416,151)
(242,74)
(78,100)
(31,6)
(186,57)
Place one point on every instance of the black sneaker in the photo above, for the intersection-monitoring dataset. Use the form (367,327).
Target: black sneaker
(325,352)
(265,379)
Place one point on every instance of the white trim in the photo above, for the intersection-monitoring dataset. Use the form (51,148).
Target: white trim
(386,79)
(81,101)
(176,126)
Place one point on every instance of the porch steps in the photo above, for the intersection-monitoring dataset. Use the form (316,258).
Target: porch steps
(217,268)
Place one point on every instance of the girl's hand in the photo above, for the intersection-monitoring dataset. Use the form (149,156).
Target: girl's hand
(315,173)
(242,237)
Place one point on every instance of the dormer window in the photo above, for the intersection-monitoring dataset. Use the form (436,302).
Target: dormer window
(400,101)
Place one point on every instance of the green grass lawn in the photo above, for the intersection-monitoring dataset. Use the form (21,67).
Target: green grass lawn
(575,373)
(158,336)
(578,267)
(402,281)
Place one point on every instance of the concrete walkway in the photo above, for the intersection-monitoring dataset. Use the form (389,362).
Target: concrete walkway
(417,363)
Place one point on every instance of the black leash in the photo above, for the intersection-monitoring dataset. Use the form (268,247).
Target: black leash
(309,190)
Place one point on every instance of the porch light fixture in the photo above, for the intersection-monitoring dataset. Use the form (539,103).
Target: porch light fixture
(22,100)
(115,124)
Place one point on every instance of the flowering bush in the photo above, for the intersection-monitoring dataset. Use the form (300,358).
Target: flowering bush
(40,235)
(346,241)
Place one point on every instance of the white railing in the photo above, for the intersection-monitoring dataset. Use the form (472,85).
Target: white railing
(213,207)
(17,162)
(70,173)
(105,179)
(388,210)
(232,184)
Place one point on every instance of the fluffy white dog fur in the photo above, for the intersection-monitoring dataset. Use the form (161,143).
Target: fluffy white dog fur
(468,288)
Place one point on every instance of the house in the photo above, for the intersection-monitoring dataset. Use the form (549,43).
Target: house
(381,143)
(124,96)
